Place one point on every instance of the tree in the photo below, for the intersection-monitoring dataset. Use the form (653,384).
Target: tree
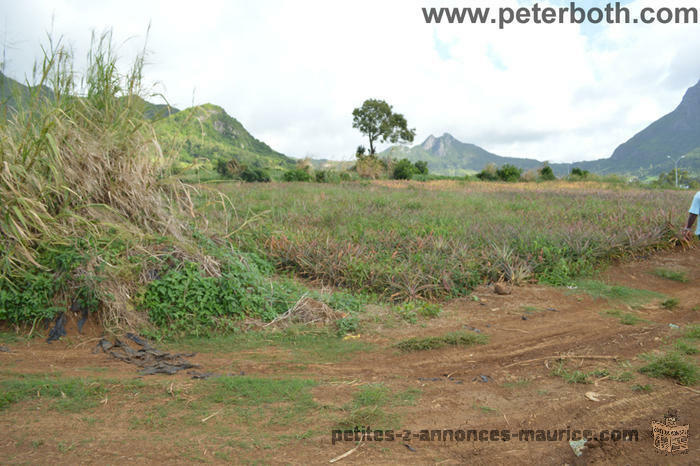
(376,120)
(546,173)
(422,167)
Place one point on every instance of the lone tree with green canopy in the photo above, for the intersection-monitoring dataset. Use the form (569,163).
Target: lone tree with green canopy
(376,120)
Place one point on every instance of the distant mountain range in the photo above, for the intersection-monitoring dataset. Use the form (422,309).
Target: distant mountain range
(646,154)
(448,156)
(208,132)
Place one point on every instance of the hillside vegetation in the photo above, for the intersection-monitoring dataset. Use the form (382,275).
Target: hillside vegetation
(206,133)
(92,220)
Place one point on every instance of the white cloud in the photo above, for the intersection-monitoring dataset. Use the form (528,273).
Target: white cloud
(292,71)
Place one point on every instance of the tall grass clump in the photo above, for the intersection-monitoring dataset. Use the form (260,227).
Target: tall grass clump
(83,187)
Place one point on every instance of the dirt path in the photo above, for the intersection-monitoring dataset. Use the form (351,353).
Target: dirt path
(506,385)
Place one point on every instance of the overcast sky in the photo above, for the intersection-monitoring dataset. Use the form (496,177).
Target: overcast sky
(292,71)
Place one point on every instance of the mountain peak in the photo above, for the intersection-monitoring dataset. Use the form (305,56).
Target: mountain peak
(692,96)
(431,141)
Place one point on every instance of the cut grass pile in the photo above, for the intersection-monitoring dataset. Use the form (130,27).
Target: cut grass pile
(460,338)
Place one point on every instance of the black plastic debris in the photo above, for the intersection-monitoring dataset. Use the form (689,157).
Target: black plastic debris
(524,317)
(410,448)
(59,328)
(139,340)
(78,307)
(4,349)
(482,379)
(201,375)
(437,379)
(150,360)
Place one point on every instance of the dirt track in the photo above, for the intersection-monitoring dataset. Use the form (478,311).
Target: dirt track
(520,391)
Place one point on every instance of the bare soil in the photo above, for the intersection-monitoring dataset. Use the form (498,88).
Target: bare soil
(528,329)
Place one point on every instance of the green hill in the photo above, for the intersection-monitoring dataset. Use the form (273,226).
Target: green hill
(205,133)
(208,132)
(13,92)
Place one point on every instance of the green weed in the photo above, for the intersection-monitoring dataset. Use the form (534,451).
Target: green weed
(571,377)
(675,275)
(692,332)
(685,347)
(626,318)
(670,303)
(303,344)
(631,296)
(451,339)
(369,407)
(673,366)
(68,394)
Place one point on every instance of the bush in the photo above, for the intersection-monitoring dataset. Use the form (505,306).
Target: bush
(255,175)
(330,176)
(577,172)
(509,173)
(489,173)
(404,169)
(229,168)
(188,301)
(297,174)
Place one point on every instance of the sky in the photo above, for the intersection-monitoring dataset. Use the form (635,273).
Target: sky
(292,71)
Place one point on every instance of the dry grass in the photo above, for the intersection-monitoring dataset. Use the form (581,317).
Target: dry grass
(81,161)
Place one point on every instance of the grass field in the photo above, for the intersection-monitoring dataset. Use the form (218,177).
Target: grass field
(404,240)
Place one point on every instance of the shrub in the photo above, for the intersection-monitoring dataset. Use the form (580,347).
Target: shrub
(229,168)
(422,167)
(255,175)
(509,173)
(347,325)
(297,174)
(489,173)
(546,174)
(404,169)
(186,300)
(577,172)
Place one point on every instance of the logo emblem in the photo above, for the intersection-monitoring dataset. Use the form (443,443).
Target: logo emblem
(669,437)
